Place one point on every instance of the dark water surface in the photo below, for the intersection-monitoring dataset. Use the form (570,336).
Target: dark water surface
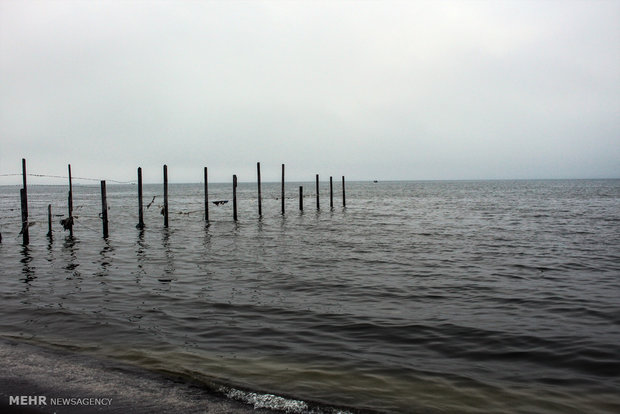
(490,296)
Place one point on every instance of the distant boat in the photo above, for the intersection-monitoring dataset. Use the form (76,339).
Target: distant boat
(220,202)
(375,181)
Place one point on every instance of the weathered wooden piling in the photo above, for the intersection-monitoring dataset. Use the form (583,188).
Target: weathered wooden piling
(260,196)
(24,205)
(317,192)
(68,222)
(282,189)
(25,236)
(331,192)
(206,195)
(25,187)
(104,209)
(235,197)
(165,195)
(140,225)
(49,221)
(70,204)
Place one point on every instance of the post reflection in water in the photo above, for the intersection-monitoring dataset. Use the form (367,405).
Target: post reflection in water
(141,247)
(50,251)
(106,253)
(206,240)
(204,263)
(70,248)
(27,269)
(169,257)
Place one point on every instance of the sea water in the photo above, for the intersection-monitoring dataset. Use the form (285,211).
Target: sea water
(464,296)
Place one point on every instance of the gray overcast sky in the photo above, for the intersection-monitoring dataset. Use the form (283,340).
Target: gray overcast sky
(366,89)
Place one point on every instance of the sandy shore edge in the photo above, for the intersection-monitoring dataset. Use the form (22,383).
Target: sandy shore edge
(74,383)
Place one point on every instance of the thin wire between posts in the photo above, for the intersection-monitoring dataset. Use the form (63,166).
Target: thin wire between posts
(66,177)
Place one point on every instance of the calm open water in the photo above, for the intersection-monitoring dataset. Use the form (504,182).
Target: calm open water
(489,296)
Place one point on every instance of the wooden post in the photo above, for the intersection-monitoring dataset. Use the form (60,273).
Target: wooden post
(301,198)
(140,201)
(260,196)
(235,197)
(165,195)
(206,196)
(331,193)
(70,203)
(24,205)
(282,189)
(49,221)
(317,192)
(26,238)
(104,209)
(344,200)
(24,181)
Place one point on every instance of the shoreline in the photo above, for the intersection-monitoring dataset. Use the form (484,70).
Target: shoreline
(101,386)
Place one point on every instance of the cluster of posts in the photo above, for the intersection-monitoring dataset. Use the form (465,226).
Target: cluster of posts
(68,222)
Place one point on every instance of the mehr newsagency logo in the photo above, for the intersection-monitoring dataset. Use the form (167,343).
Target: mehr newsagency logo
(40,400)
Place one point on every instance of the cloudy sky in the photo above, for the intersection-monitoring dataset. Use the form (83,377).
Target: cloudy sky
(367,89)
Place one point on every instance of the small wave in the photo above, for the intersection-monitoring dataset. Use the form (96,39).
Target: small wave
(270,401)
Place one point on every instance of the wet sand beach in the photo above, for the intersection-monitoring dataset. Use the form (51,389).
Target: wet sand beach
(29,370)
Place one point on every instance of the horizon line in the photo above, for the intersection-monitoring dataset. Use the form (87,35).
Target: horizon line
(96,181)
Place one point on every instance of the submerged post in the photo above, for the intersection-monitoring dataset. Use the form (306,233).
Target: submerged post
(104,209)
(317,192)
(24,205)
(49,221)
(70,203)
(206,196)
(301,198)
(260,197)
(344,200)
(165,195)
(331,192)
(282,189)
(26,238)
(235,197)
(140,202)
